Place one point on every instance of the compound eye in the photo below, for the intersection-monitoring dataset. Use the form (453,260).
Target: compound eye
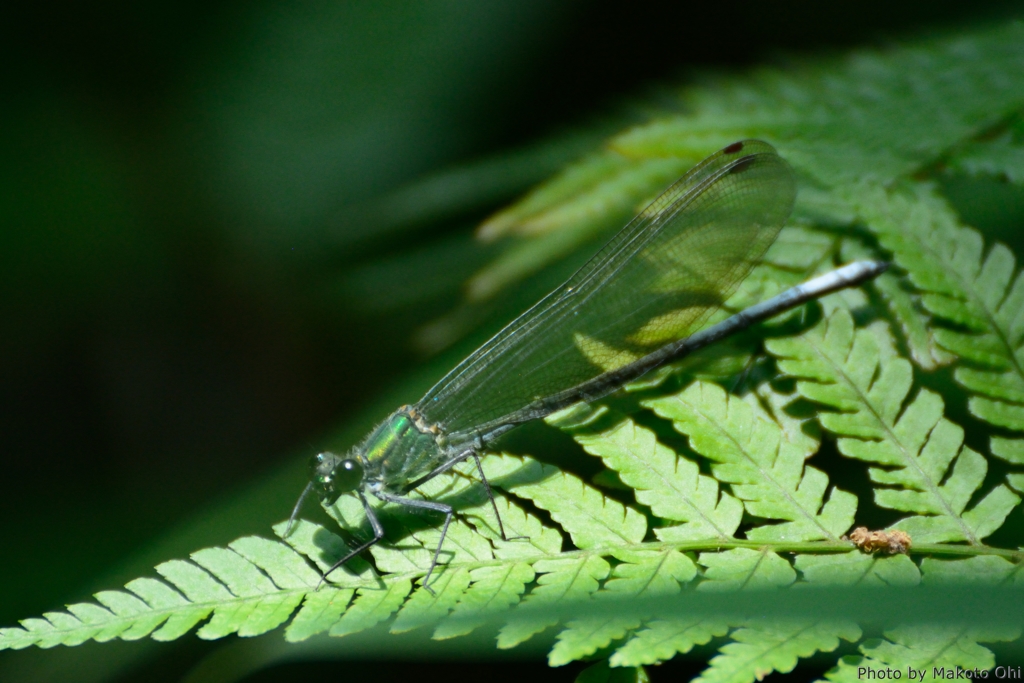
(322,464)
(321,474)
(348,475)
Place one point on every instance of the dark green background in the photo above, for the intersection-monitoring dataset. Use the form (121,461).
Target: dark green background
(194,266)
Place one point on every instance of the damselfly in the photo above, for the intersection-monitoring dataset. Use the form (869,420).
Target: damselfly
(638,303)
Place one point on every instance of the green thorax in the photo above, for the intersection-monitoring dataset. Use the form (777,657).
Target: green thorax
(402,449)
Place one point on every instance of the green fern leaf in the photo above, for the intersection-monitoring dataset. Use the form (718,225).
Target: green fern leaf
(416,551)
(916,329)
(200,587)
(980,569)
(324,549)
(249,588)
(320,611)
(670,485)
(931,473)
(766,645)
(160,600)
(870,115)
(661,574)
(1001,157)
(763,462)
(371,607)
(123,605)
(529,537)
(425,608)
(1009,450)
(590,518)
(642,574)
(1012,451)
(492,591)
(931,650)
(959,284)
(583,637)
(744,568)
(559,579)
(662,639)
(858,569)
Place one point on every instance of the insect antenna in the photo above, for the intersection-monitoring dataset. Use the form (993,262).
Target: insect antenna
(298,506)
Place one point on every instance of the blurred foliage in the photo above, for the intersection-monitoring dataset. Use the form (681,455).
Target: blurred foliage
(193,193)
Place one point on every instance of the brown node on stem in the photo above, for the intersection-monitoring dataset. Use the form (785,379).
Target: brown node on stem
(890,542)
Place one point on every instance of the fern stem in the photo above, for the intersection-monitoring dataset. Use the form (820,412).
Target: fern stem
(714,545)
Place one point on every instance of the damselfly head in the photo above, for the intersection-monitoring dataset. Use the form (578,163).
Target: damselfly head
(331,475)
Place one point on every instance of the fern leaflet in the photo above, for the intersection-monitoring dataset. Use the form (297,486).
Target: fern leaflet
(960,285)
(932,472)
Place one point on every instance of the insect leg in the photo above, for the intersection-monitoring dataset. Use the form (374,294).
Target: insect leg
(295,510)
(490,496)
(378,533)
(440,469)
(425,505)
(742,378)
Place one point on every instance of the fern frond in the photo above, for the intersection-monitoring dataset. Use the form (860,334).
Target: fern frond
(763,462)
(670,485)
(371,607)
(873,115)
(931,650)
(877,115)
(1002,157)
(251,587)
(744,568)
(1010,450)
(641,574)
(931,472)
(492,591)
(962,285)
(766,645)
(559,579)
(981,569)
(320,611)
(590,518)
(937,650)
(857,569)
(425,608)
(662,639)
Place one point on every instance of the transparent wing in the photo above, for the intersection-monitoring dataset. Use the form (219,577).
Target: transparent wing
(656,281)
